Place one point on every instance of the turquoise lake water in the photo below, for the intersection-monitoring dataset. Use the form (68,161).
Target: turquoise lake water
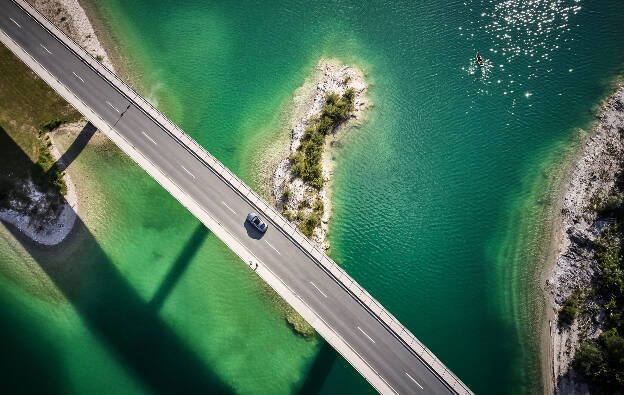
(439,199)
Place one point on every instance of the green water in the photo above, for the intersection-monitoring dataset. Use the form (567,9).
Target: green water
(439,198)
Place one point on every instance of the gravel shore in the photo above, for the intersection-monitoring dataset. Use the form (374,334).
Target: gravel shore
(575,267)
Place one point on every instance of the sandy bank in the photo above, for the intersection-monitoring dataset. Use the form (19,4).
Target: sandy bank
(591,180)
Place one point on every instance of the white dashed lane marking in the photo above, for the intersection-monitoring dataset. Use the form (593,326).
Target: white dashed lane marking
(149,138)
(278,253)
(111,106)
(46,49)
(13,20)
(186,170)
(79,77)
(366,334)
(411,378)
(318,289)
(229,208)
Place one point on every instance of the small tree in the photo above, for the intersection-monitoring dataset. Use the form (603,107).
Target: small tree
(568,313)
(286,194)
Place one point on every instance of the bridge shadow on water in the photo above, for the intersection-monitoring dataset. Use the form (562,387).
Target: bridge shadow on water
(28,360)
(114,311)
(180,265)
(319,370)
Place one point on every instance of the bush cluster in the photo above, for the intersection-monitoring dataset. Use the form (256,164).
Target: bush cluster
(50,125)
(46,174)
(569,310)
(307,160)
(309,223)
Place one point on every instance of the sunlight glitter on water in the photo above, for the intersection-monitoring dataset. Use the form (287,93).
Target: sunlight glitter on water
(521,35)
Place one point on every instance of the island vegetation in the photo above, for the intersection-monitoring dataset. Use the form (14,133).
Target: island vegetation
(306,161)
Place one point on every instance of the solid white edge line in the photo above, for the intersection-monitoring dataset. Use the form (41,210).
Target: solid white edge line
(318,289)
(186,170)
(79,77)
(111,106)
(229,208)
(366,334)
(149,138)
(411,378)
(278,253)
(46,49)
(13,20)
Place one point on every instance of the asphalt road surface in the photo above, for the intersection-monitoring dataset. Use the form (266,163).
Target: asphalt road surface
(398,365)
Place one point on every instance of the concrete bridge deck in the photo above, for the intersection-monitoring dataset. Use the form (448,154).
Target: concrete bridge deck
(381,349)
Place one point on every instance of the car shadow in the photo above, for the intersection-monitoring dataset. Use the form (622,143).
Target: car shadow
(114,311)
(252,231)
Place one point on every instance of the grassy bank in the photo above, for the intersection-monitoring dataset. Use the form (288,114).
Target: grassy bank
(29,109)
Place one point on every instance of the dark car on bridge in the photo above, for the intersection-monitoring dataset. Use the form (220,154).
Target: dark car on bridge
(257,222)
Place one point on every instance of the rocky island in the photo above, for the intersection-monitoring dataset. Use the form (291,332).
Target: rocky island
(301,183)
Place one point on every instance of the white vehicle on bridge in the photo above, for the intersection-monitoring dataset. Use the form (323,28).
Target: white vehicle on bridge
(257,222)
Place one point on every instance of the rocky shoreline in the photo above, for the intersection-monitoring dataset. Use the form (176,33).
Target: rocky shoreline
(575,268)
(71,18)
(294,195)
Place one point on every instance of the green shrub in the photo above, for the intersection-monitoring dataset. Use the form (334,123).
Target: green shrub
(307,160)
(317,183)
(286,193)
(319,206)
(567,314)
(589,360)
(608,257)
(612,203)
(332,98)
(349,97)
(601,361)
(307,227)
(299,216)
(46,174)
(288,214)
(50,125)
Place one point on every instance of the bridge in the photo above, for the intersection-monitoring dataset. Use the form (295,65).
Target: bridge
(374,342)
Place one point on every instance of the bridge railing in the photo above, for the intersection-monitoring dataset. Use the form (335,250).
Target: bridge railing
(399,331)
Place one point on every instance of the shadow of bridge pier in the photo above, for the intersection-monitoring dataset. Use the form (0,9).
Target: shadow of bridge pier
(116,314)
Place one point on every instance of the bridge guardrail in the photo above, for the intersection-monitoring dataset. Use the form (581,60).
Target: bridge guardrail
(397,329)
